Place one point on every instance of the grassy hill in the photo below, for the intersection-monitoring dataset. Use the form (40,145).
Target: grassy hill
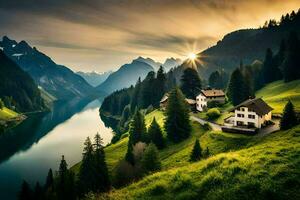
(278,93)
(264,168)
(6,114)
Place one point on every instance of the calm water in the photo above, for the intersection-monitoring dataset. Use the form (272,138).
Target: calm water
(38,143)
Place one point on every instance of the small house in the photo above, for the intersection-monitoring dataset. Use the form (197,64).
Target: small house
(164,101)
(252,113)
(210,95)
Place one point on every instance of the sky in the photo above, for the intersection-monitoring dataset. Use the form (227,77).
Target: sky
(102,35)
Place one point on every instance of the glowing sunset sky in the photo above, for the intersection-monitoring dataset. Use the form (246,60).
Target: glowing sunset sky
(102,35)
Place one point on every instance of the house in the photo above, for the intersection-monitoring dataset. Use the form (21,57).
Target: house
(210,95)
(252,113)
(164,101)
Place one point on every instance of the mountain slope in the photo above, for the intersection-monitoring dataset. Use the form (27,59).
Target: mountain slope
(246,45)
(126,76)
(19,85)
(278,93)
(94,78)
(57,80)
(266,168)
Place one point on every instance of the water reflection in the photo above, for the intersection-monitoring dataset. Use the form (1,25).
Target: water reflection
(28,151)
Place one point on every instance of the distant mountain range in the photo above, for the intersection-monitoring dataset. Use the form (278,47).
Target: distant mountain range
(57,80)
(94,78)
(128,74)
(245,45)
(17,88)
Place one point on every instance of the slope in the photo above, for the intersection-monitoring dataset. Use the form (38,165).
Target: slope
(278,93)
(17,88)
(58,80)
(94,78)
(265,168)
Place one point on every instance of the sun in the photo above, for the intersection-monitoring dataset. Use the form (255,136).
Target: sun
(192,56)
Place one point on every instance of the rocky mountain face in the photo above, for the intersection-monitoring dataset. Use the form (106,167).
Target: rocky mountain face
(17,89)
(94,78)
(57,80)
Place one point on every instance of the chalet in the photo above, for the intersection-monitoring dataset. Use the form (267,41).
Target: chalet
(252,113)
(164,101)
(211,95)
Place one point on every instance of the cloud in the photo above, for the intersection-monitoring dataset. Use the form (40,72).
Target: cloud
(108,33)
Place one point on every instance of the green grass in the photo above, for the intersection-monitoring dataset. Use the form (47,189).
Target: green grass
(277,94)
(7,114)
(261,168)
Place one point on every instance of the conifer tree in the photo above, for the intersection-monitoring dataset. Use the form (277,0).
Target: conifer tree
(150,160)
(129,157)
(136,96)
(291,63)
(190,83)
(289,118)
(177,123)
(38,192)
(196,153)
(101,172)
(25,193)
(148,87)
(159,86)
(86,176)
(269,67)
(238,90)
(1,104)
(137,131)
(49,180)
(155,134)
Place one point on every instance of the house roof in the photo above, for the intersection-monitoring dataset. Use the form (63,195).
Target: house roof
(258,105)
(213,93)
(166,96)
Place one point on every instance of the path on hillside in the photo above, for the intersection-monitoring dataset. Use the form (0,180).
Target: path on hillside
(215,127)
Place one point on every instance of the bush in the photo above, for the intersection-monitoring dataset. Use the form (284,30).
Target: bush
(213,113)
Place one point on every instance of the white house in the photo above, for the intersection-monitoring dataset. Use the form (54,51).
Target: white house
(164,101)
(206,96)
(251,113)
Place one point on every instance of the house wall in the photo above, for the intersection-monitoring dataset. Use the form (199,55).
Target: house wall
(245,120)
(201,102)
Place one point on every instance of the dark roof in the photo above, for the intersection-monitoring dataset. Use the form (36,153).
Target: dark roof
(213,93)
(257,105)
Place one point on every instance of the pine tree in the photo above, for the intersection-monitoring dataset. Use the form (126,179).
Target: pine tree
(25,193)
(101,171)
(129,157)
(1,104)
(136,96)
(150,160)
(268,69)
(177,123)
(196,153)
(86,176)
(238,90)
(156,135)
(148,88)
(159,86)
(137,131)
(289,118)
(49,180)
(38,192)
(291,63)
(191,83)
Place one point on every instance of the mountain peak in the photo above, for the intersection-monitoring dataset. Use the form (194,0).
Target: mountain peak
(7,42)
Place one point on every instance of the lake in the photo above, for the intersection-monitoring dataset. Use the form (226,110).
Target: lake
(37,144)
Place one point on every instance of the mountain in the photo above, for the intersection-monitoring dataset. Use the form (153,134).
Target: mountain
(17,88)
(150,62)
(171,63)
(94,78)
(247,45)
(125,76)
(57,80)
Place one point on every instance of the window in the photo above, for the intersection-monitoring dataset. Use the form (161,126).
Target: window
(239,123)
(242,109)
(240,115)
(251,116)
(251,125)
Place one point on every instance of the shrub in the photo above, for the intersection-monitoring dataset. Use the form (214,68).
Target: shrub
(213,113)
